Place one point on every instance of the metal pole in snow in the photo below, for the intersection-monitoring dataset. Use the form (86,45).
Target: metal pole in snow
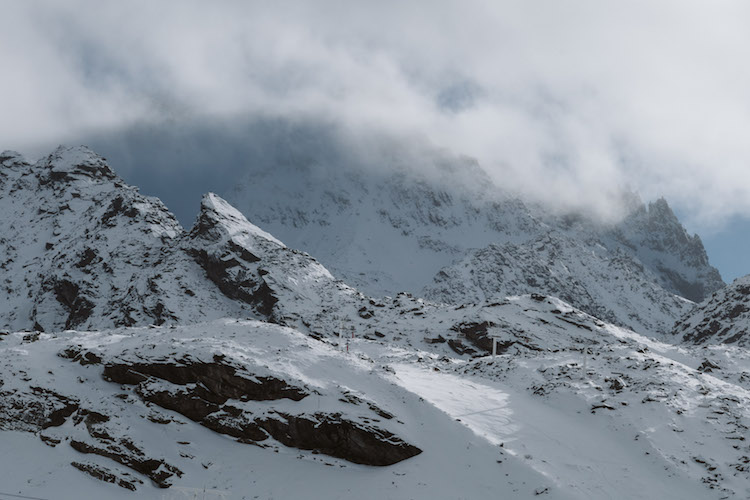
(494,346)
(583,375)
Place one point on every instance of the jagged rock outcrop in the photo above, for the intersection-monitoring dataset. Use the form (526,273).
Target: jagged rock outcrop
(202,392)
(724,318)
(609,284)
(82,250)
(677,260)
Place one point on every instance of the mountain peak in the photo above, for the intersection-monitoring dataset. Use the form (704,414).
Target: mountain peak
(221,220)
(67,163)
(660,210)
(9,157)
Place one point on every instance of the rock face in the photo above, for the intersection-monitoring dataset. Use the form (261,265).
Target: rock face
(201,392)
(445,231)
(678,260)
(722,318)
(79,247)
(82,250)
(610,284)
(636,273)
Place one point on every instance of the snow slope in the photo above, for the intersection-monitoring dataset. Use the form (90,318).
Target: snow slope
(337,383)
(581,410)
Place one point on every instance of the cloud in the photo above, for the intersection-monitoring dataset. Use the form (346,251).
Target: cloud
(566,101)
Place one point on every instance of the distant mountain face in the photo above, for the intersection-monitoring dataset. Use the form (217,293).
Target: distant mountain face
(662,244)
(724,318)
(81,249)
(85,251)
(445,231)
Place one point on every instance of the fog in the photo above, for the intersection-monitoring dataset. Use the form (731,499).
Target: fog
(568,102)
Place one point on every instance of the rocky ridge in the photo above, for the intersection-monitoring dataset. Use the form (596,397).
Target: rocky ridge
(436,227)
(724,318)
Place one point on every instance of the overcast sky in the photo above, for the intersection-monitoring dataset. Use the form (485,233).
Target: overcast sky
(568,101)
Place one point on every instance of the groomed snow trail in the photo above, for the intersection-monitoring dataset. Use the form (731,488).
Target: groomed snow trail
(482,408)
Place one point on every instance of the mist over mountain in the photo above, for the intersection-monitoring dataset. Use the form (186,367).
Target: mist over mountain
(388,250)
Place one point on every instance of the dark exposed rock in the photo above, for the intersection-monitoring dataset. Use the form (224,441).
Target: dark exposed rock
(161,314)
(242,252)
(38,410)
(130,456)
(104,474)
(202,391)
(478,335)
(707,366)
(241,284)
(183,402)
(49,441)
(615,384)
(723,318)
(365,313)
(31,337)
(350,398)
(117,207)
(265,300)
(79,307)
(77,354)
(236,425)
(332,435)
(90,358)
(58,417)
(601,406)
(63,406)
(87,257)
(379,411)
(459,347)
(217,382)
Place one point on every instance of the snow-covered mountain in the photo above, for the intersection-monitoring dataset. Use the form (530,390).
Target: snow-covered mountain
(724,318)
(570,408)
(446,231)
(80,249)
(83,250)
(218,362)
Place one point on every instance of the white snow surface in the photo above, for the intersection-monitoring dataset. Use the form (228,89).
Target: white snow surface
(237,226)
(529,421)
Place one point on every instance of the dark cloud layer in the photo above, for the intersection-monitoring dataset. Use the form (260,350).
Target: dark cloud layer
(567,101)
